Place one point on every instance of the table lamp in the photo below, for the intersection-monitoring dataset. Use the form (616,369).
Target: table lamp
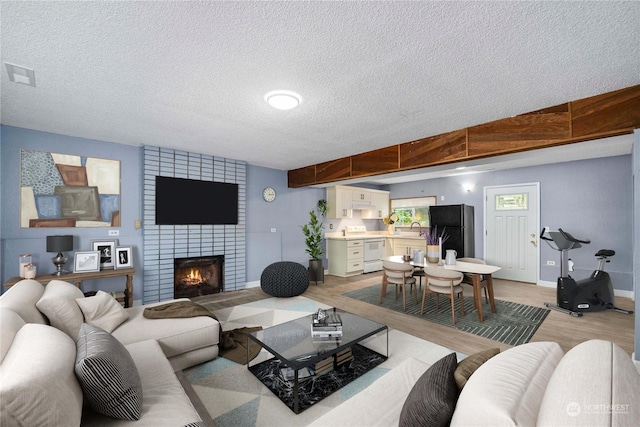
(59,244)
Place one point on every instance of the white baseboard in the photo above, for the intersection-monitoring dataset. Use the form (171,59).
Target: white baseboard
(546,284)
(623,294)
(616,292)
(254,284)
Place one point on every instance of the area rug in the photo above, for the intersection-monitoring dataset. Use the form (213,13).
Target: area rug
(512,323)
(234,397)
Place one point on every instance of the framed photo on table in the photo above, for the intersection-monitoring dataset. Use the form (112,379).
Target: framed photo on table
(107,250)
(87,261)
(123,257)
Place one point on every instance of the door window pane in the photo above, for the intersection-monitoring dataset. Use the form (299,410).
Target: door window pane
(512,202)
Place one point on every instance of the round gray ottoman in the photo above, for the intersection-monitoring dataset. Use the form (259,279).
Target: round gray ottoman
(284,279)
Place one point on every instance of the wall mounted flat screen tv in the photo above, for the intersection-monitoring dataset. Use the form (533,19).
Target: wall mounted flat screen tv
(182,201)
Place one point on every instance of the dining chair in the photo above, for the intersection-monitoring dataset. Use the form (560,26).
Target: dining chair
(442,281)
(419,273)
(468,280)
(400,275)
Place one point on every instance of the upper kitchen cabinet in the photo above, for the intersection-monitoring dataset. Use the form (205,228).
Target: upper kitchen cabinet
(343,200)
(379,205)
(360,196)
(339,203)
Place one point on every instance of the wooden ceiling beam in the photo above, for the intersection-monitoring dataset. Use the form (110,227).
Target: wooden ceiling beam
(609,114)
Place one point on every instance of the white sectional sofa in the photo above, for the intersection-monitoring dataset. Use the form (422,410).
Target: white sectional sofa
(43,328)
(593,384)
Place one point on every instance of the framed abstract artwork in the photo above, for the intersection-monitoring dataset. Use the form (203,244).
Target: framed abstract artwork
(64,190)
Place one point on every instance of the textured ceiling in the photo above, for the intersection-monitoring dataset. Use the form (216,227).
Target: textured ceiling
(192,75)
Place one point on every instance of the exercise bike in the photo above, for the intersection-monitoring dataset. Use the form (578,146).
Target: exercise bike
(588,295)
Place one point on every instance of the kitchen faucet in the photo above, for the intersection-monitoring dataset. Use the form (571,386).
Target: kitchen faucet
(419,227)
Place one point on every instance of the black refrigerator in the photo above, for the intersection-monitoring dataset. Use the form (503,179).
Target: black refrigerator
(458,220)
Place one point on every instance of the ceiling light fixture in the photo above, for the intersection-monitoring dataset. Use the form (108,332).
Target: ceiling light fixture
(283,99)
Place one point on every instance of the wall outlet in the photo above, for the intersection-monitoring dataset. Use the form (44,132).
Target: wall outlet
(273,230)
(551,263)
(114,232)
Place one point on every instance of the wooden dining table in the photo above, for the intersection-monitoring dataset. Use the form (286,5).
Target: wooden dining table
(477,272)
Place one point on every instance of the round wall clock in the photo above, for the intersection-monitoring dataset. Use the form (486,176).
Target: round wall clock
(269,194)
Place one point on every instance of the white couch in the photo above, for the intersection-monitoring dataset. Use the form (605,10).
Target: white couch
(38,385)
(593,384)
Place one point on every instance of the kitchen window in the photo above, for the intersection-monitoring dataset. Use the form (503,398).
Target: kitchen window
(415,209)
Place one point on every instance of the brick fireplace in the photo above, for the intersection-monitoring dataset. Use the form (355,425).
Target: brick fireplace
(164,243)
(197,276)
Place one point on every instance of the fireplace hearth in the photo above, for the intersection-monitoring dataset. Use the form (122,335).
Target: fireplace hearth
(197,276)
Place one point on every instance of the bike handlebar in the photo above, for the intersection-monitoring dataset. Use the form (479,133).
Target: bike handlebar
(542,235)
(570,238)
(566,235)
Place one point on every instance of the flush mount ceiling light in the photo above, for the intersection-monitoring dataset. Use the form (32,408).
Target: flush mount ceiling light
(283,99)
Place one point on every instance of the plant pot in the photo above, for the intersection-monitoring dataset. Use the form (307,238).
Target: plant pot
(433,253)
(316,270)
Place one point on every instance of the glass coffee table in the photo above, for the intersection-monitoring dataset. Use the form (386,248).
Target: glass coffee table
(305,370)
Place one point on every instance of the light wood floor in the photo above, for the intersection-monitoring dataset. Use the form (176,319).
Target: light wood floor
(566,330)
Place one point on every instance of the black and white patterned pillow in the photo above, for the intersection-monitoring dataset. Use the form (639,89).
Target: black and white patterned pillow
(107,374)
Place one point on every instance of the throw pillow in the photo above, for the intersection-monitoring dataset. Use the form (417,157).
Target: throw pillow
(103,311)
(432,399)
(468,366)
(37,383)
(58,303)
(107,374)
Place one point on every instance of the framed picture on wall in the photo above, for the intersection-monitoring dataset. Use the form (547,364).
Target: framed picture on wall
(123,257)
(107,251)
(87,261)
(68,190)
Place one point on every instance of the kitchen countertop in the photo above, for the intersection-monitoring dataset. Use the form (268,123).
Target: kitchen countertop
(372,235)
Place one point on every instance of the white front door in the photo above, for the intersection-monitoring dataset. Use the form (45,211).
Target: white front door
(512,226)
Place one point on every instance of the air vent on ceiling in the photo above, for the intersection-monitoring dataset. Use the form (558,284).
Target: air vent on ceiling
(18,74)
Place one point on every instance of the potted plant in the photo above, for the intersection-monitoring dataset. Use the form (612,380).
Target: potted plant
(434,242)
(313,240)
(322,207)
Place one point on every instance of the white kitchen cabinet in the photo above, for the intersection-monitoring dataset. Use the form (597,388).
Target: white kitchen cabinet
(339,203)
(379,205)
(346,257)
(407,246)
(360,196)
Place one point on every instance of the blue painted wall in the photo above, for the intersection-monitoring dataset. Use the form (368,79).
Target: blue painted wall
(636,237)
(16,240)
(274,230)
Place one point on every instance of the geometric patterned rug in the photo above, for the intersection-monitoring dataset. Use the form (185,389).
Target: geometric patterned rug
(235,397)
(512,324)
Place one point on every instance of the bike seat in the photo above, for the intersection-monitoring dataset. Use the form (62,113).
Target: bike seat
(605,253)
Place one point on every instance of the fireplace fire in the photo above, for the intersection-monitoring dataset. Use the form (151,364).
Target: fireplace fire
(198,276)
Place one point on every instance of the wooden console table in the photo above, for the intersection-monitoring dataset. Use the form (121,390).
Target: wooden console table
(77,278)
